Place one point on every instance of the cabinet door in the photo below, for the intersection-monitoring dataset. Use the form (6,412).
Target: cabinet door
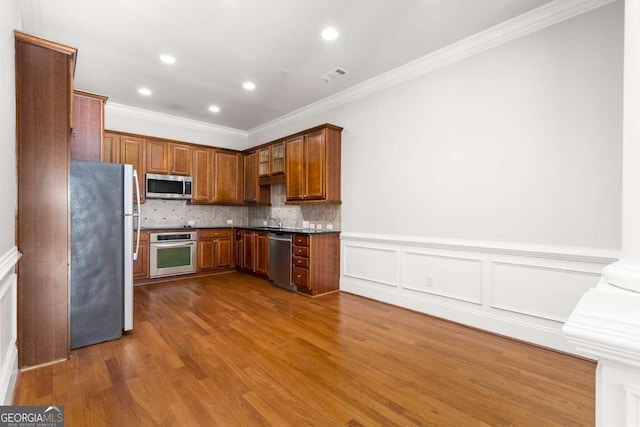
(111,148)
(206,257)
(262,253)
(277,158)
(264,155)
(248,251)
(251,178)
(157,156)
(132,153)
(141,265)
(224,252)
(180,156)
(314,165)
(295,187)
(88,123)
(201,174)
(226,175)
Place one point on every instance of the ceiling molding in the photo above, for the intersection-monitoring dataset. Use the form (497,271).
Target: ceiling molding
(174,120)
(527,23)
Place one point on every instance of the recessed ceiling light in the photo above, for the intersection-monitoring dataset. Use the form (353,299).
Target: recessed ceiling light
(330,33)
(214,108)
(168,59)
(145,91)
(249,85)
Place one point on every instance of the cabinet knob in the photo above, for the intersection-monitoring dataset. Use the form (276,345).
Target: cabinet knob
(298,276)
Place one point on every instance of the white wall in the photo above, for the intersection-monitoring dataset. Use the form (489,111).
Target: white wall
(9,20)
(486,191)
(519,143)
(123,118)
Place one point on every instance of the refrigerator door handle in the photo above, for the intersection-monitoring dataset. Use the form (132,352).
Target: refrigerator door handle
(138,214)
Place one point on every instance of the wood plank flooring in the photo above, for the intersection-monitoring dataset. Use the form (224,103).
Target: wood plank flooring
(232,350)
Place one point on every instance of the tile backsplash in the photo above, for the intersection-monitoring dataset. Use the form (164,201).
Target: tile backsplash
(172,213)
(294,215)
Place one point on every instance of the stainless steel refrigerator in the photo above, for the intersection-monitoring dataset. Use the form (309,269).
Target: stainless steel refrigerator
(102,255)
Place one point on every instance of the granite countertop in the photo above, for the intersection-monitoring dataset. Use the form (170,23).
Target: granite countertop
(245,227)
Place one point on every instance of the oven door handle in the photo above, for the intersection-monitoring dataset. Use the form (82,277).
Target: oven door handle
(172,245)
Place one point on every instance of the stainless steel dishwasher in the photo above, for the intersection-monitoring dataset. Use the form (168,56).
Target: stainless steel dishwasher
(280,253)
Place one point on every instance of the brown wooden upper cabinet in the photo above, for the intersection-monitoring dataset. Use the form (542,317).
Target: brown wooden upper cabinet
(179,159)
(157,156)
(88,126)
(227,177)
(313,166)
(271,159)
(217,176)
(251,178)
(202,174)
(125,149)
(253,192)
(168,157)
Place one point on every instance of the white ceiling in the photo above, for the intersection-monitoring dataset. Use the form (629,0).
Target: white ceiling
(219,44)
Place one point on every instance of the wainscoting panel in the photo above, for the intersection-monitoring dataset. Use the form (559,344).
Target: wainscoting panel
(8,325)
(372,264)
(448,276)
(632,406)
(521,291)
(537,290)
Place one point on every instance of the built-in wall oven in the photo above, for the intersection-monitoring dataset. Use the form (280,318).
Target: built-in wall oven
(172,253)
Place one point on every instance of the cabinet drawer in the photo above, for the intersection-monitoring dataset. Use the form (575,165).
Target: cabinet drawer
(301,251)
(301,240)
(212,234)
(300,276)
(300,262)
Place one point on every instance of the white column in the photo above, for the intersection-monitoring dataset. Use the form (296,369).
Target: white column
(606,322)
(626,272)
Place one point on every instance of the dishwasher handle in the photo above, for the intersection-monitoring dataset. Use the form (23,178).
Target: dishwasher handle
(280,238)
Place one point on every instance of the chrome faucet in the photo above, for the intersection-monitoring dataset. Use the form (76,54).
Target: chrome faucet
(275,219)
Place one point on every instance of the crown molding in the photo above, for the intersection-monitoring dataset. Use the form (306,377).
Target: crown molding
(175,120)
(527,23)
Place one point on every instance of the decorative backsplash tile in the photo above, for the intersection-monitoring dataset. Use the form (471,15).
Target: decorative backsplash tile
(173,213)
(294,215)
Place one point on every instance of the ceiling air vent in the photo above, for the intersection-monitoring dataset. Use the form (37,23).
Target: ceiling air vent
(333,74)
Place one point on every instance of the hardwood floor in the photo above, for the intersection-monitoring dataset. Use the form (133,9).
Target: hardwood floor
(232,350)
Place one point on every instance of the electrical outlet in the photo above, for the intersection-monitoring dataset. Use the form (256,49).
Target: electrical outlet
(264,223)
(312,226)
(319,226)
(229,221)
(429,281)
(191,223)
(329,226)
(305,224)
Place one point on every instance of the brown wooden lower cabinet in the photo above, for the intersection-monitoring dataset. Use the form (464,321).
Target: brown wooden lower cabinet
(316,263)
(141,265)
(215,249)
(255,252)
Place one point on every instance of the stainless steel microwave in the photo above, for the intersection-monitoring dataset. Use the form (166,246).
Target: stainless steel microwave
(168,186)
